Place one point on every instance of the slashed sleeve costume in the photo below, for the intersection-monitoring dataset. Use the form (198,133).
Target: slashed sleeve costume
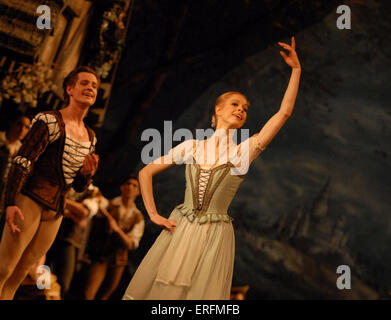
(48,163)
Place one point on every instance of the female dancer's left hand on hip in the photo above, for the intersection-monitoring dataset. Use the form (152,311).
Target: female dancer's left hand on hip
(163,222)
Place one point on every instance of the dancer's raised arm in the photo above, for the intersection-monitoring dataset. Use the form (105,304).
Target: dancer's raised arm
(275,123)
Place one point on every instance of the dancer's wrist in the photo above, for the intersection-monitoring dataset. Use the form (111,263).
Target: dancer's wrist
(153,214)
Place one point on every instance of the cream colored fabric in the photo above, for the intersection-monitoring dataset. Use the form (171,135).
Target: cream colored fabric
(73,157)
(203,152)
(198,268)
(196,261)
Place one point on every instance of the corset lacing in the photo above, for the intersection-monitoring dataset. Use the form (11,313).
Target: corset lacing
(202,183)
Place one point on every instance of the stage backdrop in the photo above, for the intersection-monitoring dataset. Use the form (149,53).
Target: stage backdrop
(319,196)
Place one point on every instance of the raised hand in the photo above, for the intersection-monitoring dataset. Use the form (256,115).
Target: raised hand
(292,59)
(163,222)
(90,165)
(11,213)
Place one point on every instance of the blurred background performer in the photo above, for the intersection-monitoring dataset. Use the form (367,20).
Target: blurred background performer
(114,232)
(10,141)
(57,153)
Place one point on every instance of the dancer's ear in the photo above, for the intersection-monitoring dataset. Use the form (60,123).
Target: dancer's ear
(218,108)
(69,90)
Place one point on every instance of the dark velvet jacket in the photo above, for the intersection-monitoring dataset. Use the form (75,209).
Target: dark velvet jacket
(44,180)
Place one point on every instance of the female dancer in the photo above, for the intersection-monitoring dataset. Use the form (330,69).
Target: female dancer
(58,153)
(196,260)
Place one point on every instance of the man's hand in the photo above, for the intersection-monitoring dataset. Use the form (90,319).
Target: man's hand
(11,213)
(90,165)
(112,222)
(114,225)
(82,224)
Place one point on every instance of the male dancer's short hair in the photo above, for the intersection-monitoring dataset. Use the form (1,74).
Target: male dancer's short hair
(71,78)
(130,177)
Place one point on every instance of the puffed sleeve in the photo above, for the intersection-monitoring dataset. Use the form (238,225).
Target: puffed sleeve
(182,153)
(44,129)
(245,153)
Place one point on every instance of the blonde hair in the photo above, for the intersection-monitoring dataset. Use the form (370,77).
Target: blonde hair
(220,100)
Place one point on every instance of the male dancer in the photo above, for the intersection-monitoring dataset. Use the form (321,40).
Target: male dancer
(58,153)
(123,226)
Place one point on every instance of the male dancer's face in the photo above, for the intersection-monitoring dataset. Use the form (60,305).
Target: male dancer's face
(130,188)
(85,89)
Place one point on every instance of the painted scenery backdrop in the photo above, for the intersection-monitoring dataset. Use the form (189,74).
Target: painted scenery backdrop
(319,196)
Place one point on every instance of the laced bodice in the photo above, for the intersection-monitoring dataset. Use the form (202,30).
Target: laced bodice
(202,183)
(209,193)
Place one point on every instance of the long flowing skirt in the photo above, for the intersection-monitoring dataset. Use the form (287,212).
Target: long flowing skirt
(194,263)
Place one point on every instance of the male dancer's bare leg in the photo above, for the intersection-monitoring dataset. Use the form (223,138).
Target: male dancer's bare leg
(38,246)
(12,245)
